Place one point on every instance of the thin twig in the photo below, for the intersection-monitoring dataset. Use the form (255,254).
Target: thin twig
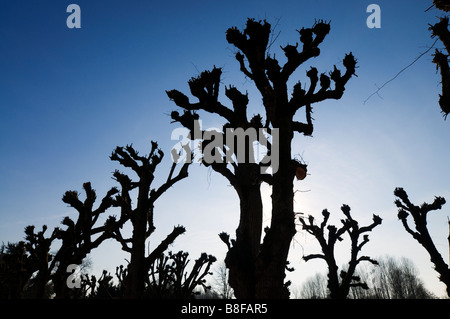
(429,7)
(273,38)
(415,60)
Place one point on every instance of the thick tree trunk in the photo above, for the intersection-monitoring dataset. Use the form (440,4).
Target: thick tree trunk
(333,283)
(242,256)
(41,282)
(439,264)
(62,291)
(271,264)
(135,282)
(59,285)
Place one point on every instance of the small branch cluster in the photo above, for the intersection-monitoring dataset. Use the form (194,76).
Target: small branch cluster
(83,229)
(168,275)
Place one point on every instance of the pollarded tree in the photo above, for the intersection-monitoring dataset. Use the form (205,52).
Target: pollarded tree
(38,248)
(421,233)
(83,235)
(141,215)
(339,283)
(258,270)
(78,239)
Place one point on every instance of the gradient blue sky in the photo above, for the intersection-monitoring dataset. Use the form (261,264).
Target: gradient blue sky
(68,97)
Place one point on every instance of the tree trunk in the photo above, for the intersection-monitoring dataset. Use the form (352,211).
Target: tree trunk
(135,282)
(41,282)
(333,278)
(242,256)
(271,264)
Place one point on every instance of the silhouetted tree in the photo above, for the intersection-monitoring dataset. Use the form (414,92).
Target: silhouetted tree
(16,268)
(141,215)
(421,233)
(339,283)
(38,249)
(258,270)
(82,236)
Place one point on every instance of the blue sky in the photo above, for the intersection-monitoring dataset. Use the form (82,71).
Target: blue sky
(68,97)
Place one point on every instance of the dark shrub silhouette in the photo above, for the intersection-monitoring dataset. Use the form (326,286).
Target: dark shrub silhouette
(168,278)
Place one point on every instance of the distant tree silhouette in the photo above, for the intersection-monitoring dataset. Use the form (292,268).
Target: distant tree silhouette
(339,283)
(222,287)
(421,233)
(258,270)
(315,287)
(141,215)
(391,278)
